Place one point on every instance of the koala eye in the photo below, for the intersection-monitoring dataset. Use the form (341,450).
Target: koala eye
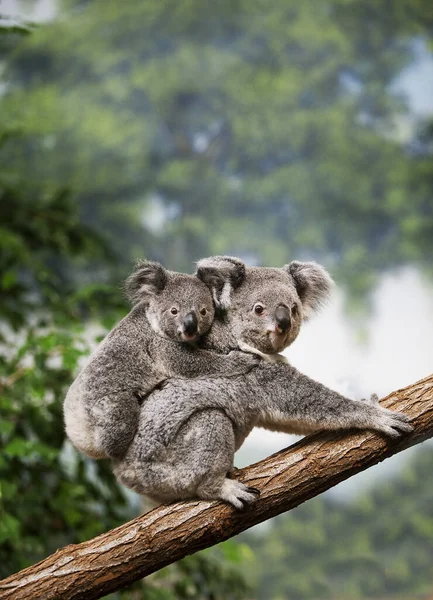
(174,311)
(295,310)
(258,308)
(203,312)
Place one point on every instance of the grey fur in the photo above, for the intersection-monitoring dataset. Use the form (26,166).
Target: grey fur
(149,345)
(312,283)
(189,430)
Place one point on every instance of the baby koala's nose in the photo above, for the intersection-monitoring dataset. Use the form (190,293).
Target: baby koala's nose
(190,323)
(282,317)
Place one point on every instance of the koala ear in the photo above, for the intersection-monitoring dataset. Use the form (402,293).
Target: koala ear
(147,279)
(222,274)
(313,284)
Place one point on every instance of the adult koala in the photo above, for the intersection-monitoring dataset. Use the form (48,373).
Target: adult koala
(189,430)
(156,340)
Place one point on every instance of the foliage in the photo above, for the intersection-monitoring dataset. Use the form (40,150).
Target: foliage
(57,273)
(213,574)
(63,498)
(197,128)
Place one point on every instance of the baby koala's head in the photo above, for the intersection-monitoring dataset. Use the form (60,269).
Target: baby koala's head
(178,306)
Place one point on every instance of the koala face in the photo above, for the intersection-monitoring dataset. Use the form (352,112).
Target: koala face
(265,306)
(266,310)
(183,310)
(178,306)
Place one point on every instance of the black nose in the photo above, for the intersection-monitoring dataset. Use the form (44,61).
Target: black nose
(282,317)
(190,323)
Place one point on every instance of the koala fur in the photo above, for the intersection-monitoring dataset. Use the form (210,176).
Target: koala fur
(189,431)
(154,341)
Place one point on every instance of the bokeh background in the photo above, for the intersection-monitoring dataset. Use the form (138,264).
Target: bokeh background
(179,129)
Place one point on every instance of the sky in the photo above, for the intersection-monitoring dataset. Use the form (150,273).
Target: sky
(32,10)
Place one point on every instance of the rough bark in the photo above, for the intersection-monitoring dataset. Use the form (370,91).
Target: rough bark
(123,555)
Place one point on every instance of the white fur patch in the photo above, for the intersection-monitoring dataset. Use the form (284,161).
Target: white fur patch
(215,298)
(77,430)
(272,358)
(211,263)
(154,323)
(147,289)
(225,297)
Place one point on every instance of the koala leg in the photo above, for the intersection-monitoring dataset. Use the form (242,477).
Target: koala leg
(219,447)
(103,428)
(194,465)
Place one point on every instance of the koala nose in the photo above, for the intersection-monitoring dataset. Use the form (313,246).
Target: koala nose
(190,323)
(282,317)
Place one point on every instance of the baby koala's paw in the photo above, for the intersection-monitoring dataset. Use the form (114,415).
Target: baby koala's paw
(238,494)
(242,360)
(277,358)
(373,400)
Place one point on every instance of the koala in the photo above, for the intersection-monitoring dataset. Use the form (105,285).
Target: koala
(156,340)
(188,431)
(274,320)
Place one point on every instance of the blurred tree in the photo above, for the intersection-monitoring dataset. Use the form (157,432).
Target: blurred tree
(185,130)
(41,239)
(376,546)
(49,261)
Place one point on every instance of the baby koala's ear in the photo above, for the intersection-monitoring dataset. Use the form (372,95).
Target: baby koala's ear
(147,279)
(312,282)
(222,274)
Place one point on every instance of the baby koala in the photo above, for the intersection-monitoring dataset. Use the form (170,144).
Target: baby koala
(155,341)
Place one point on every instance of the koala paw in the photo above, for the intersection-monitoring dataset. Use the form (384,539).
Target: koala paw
(388,421)
(373,400)
(392,423)
(277,358)
(238,494)
(242,359)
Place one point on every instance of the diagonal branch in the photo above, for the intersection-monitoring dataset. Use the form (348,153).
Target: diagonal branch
(123,555)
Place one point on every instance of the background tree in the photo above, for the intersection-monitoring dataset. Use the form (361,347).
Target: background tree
(227,127)
(48,262)
(373,546)
(174,131)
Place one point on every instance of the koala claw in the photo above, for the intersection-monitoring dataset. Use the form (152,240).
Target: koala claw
(238,494)
(373,400)
(388,421)
(394,424)
(242,359)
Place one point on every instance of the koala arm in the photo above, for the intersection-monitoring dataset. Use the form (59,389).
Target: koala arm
(294,403)
(273,395)
(181,360)
(278,397)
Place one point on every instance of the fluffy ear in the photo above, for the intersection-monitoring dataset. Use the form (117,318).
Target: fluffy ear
(147,279)
(222,274)
(313,284)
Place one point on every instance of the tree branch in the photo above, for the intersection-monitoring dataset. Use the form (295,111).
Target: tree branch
(123,555)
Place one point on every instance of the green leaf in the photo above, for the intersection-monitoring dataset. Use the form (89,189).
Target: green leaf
(18,447)
(6,427)
(9,528)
